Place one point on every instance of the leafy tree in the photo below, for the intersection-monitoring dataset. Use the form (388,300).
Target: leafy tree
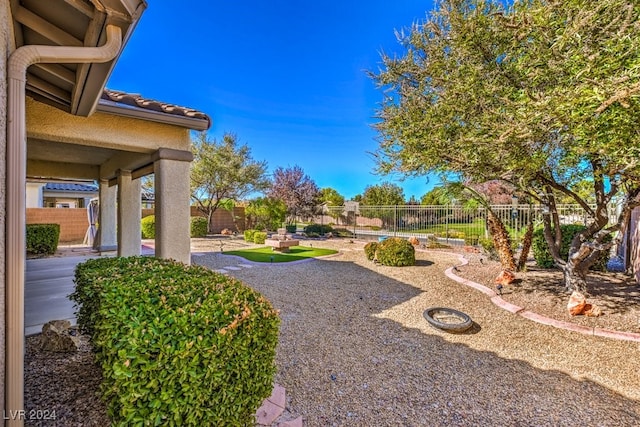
(223,172)
(331,197)
(436,197)
(298,192)
(538,94)
(386,194)
(265,213)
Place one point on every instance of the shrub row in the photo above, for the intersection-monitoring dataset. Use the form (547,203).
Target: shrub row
(198,226)
(42,239)
(543,256)
(255,236)
(393,251)
(178,345)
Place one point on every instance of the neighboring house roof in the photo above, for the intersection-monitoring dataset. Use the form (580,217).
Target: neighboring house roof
(134,105)
(75,188)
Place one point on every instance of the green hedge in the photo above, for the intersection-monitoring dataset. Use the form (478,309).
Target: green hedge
(42,239)
(148,227)
(396,252)
(541,250)
(370,250)
(248,235)
(259,237)
(199,226)
(178,345)
(318,229)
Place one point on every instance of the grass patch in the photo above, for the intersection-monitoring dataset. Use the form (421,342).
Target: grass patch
(295,253)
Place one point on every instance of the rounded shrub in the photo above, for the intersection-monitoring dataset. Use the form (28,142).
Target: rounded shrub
(396,252)
(177,345)
(248,235)
(370,250)
(42,239)
(199,226)
(543,257)
(259,237)
(148,227)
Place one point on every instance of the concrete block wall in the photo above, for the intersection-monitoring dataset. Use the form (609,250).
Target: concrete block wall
(221,218)
(73,222)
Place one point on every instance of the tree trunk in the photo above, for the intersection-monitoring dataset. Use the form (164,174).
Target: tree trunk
(526,246)
(575,276)
(501,241)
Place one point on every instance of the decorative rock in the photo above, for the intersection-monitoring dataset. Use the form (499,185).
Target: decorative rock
(505,278)
(56,337)
(414,240)
(577,303)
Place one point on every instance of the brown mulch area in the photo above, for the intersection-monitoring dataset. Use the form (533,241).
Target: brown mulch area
(542,291)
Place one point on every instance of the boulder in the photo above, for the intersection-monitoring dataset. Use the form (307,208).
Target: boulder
(577,303)
(57,336)
(414,240)
(505,278)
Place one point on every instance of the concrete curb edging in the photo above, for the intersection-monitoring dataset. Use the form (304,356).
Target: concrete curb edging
(521,311)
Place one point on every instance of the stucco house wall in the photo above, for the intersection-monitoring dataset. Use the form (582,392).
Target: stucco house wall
(5,41)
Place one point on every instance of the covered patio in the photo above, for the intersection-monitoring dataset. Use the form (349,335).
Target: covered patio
(62,124)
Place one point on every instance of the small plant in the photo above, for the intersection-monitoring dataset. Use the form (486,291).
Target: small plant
(488,247)
(42,239)
(291,228)
(433,243)
(199,226)
(259,237)
(396,252)
(248,235)
(370,250)
(472,240)
(148,227)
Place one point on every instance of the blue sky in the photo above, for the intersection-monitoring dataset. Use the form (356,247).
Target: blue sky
(287,77)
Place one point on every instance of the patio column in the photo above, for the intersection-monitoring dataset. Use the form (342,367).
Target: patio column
(172,210)
(129,214)
(106,239)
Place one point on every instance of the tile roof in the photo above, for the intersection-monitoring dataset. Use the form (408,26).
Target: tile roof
(136,100)
(57,186)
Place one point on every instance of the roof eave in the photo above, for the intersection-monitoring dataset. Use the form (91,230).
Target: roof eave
(153,116)
(99,73)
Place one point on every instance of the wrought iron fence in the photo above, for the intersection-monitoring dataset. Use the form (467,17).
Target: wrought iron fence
(452,224)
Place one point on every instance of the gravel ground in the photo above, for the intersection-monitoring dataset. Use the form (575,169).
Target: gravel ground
(355,350)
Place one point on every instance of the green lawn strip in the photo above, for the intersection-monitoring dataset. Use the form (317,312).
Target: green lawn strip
(265,254)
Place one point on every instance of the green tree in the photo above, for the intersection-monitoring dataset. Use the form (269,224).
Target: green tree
(540,95)
(382,200)
(265,213)
(436,197)
(223,172)
(331,197)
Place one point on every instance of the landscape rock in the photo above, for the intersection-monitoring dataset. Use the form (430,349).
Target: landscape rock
(577,303)
(505,278)
(57,337)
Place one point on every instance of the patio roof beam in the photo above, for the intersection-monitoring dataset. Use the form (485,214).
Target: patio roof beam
(45,28)
(58,170)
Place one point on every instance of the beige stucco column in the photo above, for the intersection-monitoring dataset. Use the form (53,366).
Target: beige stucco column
(106,239)
(172,196)
(129,214)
